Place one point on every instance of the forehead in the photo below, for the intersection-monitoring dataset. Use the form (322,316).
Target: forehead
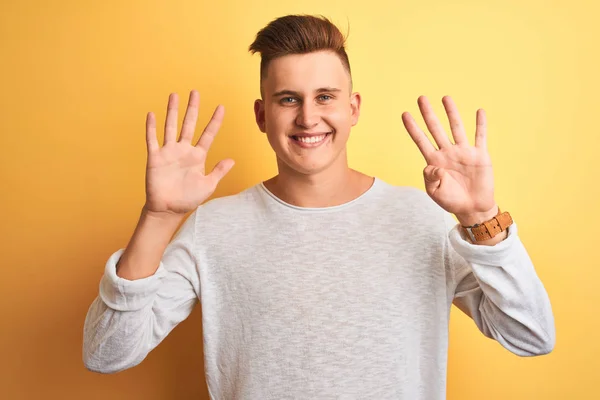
(306,72)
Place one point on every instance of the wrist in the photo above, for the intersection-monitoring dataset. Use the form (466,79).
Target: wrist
(164,217)
(478,217)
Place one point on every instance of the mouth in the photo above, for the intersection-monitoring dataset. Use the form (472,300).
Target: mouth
(310,141)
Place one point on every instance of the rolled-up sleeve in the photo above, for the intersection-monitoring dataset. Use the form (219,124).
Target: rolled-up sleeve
(498,287)
(130,318)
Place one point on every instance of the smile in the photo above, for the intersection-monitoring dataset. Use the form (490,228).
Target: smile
(310,141)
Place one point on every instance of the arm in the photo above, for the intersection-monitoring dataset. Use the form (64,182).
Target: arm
(497,286)
(496,283)
(130,317)
(142,256)
(152,285)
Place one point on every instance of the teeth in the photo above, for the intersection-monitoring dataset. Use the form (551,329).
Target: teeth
(312,139)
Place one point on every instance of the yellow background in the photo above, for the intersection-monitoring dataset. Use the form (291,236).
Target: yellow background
(78,77)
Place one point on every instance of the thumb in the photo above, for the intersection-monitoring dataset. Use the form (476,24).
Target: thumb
(433,176)
(221,169)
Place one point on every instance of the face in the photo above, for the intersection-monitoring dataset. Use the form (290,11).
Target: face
(307,111)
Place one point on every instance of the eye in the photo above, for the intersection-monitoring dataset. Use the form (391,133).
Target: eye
(325,97)
(288,100)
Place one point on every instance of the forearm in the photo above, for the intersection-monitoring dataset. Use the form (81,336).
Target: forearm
(131,316)
(147,245)
(513,308)
(114,340)
(503,294)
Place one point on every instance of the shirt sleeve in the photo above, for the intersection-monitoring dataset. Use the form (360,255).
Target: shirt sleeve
(130,318)
(497,286)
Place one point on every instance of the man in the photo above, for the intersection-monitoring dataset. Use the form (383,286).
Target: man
(321,282)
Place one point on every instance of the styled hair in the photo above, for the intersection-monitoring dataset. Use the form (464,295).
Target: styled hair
(298,34)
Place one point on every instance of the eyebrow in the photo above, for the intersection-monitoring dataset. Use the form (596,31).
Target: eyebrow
(294,93)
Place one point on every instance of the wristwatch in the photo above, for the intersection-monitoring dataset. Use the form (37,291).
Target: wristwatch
(488,229)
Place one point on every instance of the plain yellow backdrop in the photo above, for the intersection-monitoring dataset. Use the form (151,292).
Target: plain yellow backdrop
(78,78)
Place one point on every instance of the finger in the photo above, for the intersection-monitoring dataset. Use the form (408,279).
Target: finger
(417,135)
(171,120)
(433,177)
(456,125)
(481,130)
(151,141)
(221,169)
(211,128)
(433,123)
(191,116)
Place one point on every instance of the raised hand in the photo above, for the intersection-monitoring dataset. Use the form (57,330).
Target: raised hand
(458,176)
(176,181)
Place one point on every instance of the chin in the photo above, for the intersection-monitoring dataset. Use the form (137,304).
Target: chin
(311,167)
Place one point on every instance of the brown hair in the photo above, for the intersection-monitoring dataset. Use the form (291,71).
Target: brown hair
(298,34)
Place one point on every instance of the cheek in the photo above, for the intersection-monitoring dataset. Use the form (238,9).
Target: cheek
(278,120)
(339,117)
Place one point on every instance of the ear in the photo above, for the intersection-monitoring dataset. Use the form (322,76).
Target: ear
(259,114)
(355,101)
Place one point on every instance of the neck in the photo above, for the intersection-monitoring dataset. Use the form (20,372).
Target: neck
(332,187)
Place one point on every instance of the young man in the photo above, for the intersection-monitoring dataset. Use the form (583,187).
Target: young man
(321,282)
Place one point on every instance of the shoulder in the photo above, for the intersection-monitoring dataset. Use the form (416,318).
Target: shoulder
(222,209)
(408,198)
(225,217)
(410,206)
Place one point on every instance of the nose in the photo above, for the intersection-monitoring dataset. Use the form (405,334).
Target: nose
(308,116)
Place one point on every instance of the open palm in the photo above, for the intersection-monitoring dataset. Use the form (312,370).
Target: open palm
(458,177)
(176,180)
